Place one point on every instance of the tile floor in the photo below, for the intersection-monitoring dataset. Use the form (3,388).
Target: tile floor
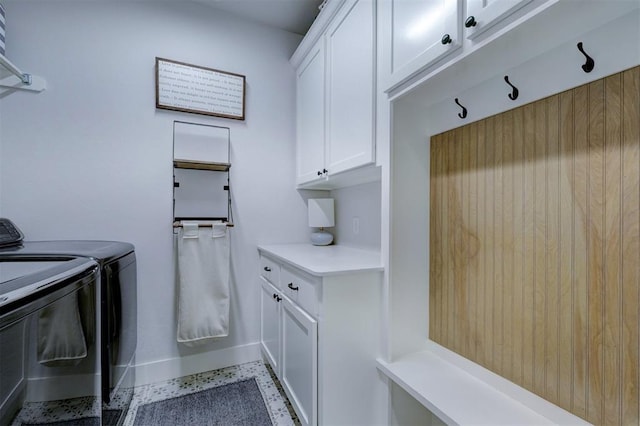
(282,414)
(280,409)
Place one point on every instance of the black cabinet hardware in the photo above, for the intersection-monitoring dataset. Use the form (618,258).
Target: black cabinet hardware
(290,285)
(470,22)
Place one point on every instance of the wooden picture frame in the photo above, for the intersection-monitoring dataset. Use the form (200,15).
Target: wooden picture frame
(199,90)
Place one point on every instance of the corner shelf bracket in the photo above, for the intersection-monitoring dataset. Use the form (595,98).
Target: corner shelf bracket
(18,79)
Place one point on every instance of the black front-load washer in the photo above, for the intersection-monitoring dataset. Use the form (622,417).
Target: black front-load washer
(118,311)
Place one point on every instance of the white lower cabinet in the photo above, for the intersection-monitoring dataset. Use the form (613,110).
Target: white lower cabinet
(300,361)
(270,325)
(321,336)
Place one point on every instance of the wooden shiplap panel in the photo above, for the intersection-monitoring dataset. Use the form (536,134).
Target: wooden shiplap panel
(518,245)
(498,249)
(630,371)
(566,206)
(482,348)
(528,235)
(553,237)
(595,250)
(535,246)
(539,207)
(435,222)
(472,224)
(612,324)
(580,191)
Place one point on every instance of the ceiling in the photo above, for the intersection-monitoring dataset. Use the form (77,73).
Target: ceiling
(295,16)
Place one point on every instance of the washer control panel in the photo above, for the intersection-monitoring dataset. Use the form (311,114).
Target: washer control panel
(10,235)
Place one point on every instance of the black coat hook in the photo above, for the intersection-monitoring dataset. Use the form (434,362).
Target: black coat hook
(514,92)
(462,114)
(588,66)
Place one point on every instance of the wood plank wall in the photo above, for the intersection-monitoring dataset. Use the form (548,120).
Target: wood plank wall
(535,246)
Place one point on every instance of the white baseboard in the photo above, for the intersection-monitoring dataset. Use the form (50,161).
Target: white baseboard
(172,368)
(62,387)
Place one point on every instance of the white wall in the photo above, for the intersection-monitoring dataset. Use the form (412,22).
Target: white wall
(362,203)
(90,157)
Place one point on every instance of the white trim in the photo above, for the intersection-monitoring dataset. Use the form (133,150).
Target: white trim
(166,369)
(459,391)
(316,31)
(62,387)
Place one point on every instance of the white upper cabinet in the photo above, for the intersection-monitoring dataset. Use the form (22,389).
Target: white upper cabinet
(350,87)
(483,14)
(415,34)
(310,130)
(421,38)
(336,89)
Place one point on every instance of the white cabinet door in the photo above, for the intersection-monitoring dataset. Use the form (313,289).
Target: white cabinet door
(310,131)
(487,13)
(300,361)
(414,35)
(350,87)
(270,301)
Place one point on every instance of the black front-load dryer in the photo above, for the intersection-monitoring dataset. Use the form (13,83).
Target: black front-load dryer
(118,312)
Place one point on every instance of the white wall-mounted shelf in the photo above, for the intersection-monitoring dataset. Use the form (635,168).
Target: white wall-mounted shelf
(11,77)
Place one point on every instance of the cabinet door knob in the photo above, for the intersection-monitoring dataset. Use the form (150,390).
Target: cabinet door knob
(446,39)
(278,298)
(290,285)
(275,295)
(325,171)
(319,173)
(266,268)
(470,22)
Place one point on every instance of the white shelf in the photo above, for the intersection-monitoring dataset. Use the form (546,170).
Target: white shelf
(469,394)
(11,77)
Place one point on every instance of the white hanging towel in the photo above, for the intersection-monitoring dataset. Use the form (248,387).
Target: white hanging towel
(61,340)
(203,283)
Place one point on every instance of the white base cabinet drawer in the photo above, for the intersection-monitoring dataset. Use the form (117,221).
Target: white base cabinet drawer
(270,270)
(304,291)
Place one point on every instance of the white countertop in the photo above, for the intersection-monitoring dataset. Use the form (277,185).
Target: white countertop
(325,260)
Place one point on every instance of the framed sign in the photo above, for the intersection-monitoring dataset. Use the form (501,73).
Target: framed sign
(200,90)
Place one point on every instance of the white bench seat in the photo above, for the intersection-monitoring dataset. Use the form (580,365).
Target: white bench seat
(461,392)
